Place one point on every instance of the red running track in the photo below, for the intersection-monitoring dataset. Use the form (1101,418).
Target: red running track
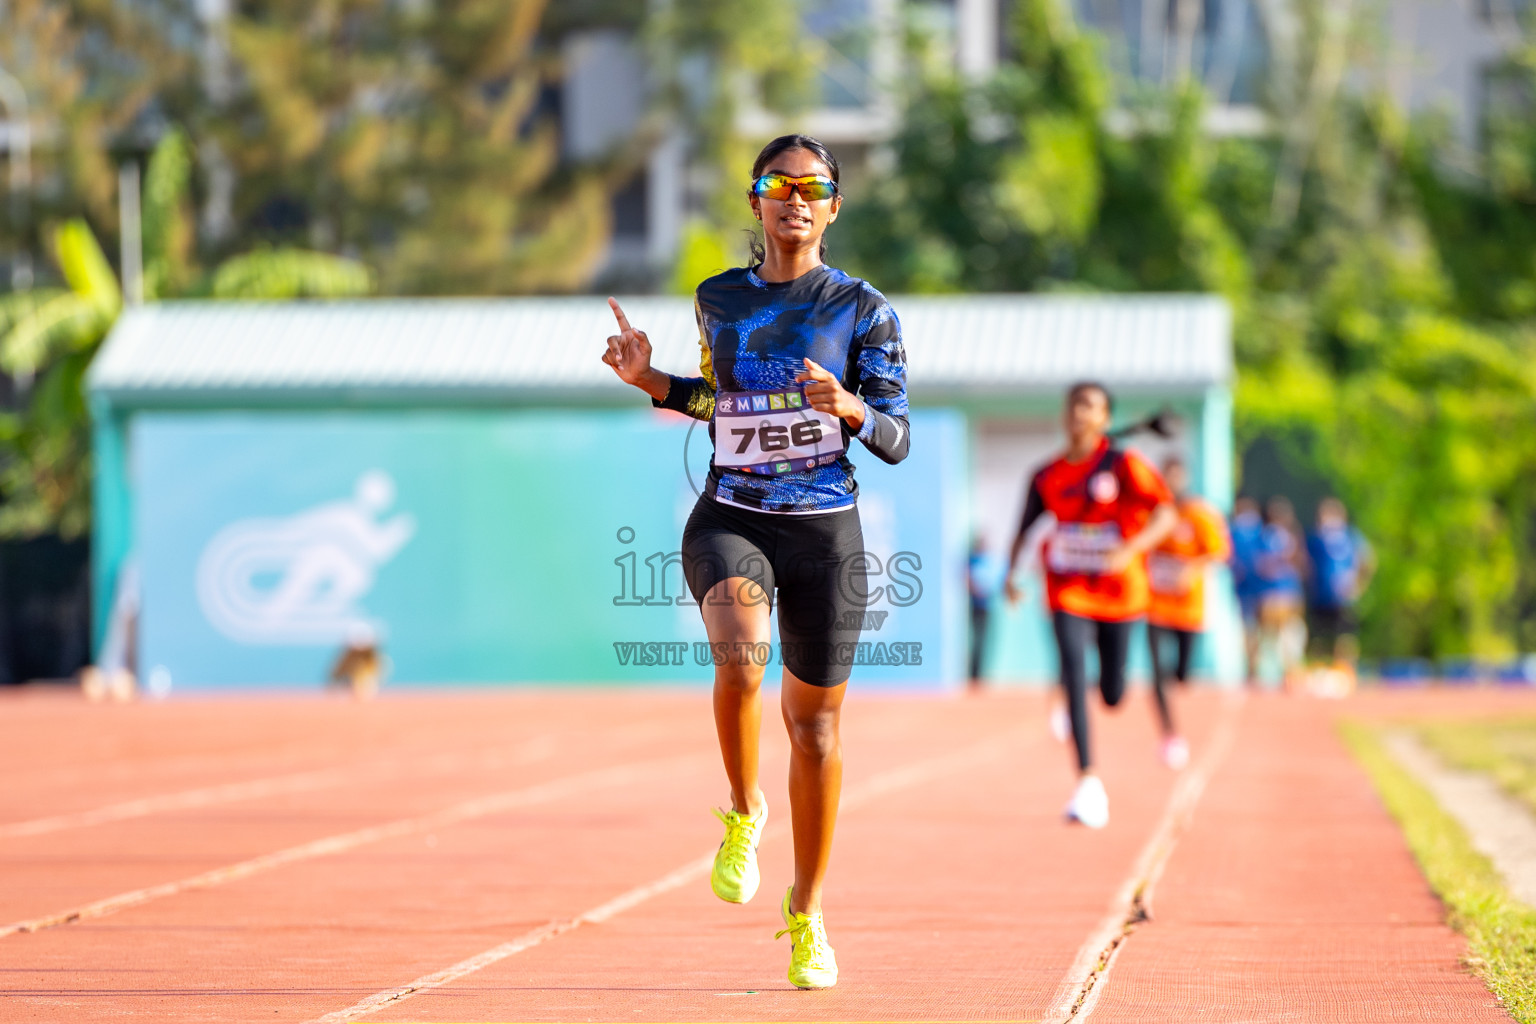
(539,856)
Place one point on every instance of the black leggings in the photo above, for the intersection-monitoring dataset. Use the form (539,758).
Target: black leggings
(1073,634)
(1157,640)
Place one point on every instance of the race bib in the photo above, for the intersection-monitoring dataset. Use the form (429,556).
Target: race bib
(773,432)
(1168,574)
(1082,548)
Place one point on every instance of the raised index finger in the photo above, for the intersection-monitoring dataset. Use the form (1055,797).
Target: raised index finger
(613,304)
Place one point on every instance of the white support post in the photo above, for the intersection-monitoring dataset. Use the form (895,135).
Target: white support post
(976,37)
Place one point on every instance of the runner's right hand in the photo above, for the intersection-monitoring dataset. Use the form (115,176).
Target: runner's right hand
(629,351)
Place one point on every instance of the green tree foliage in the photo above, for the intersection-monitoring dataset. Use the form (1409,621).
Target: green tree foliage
(1019,182)
(410,135)
(48,336)
(90,71)
(716,60)
(1386,303)
(414,137)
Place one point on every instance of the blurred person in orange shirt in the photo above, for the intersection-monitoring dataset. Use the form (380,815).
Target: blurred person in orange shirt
(1176,609)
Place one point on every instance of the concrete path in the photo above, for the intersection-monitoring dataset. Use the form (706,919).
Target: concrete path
(1500,827)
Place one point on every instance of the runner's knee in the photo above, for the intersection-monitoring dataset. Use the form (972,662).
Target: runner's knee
(813,733)
(742,675)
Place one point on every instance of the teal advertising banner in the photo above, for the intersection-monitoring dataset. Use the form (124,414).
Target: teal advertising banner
(529,546)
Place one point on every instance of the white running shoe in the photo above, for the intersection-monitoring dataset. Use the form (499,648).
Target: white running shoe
(1061,724)
(1175,752)
(1090,804)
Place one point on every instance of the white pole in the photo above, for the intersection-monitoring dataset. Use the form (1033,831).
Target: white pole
(976,37)
(18,144)
(130,233)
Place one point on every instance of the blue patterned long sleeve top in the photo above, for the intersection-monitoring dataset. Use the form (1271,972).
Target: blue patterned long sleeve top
(753,338)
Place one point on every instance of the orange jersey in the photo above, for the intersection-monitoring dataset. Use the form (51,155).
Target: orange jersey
(1176,569)
(1098,503)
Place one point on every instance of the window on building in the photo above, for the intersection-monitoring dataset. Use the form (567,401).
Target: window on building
(1494,11)
(1506,106)
(845,31)
(630,209)
(1221,42)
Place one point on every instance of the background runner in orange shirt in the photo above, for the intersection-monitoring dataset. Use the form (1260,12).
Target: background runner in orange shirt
(1111,508)
(1176,611)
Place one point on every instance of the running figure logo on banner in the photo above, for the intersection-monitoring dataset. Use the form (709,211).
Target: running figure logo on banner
(297,580)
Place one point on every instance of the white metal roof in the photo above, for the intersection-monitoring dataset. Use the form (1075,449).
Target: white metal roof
(508,347)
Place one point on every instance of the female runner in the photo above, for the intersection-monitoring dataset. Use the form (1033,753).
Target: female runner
(1176,612)
(1111,508)
(796,360)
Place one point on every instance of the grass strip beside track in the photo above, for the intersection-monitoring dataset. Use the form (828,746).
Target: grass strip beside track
(1500,930)
(1502,748)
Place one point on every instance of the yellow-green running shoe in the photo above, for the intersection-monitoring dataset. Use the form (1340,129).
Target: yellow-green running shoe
(812,964)
(735,876)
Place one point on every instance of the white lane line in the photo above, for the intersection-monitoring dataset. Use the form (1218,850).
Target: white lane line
(288,758)
(480,807)
(488,759)
(855,796)
(277,785)
(1079,989)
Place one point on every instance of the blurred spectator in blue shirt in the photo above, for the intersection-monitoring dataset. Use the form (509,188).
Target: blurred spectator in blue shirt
(981,580)
(1342,563)
(1247,530)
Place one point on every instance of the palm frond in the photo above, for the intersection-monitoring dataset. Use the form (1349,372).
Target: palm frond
(67,322)
(86,268)
(16,305)
(290,274)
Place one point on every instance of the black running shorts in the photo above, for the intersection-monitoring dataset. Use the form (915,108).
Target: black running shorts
(811,566)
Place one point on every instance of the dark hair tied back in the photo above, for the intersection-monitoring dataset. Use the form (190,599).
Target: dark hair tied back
(783,144)
(1164,423)
(1082,387)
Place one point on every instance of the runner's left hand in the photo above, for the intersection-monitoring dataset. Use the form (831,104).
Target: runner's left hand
(827,394)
